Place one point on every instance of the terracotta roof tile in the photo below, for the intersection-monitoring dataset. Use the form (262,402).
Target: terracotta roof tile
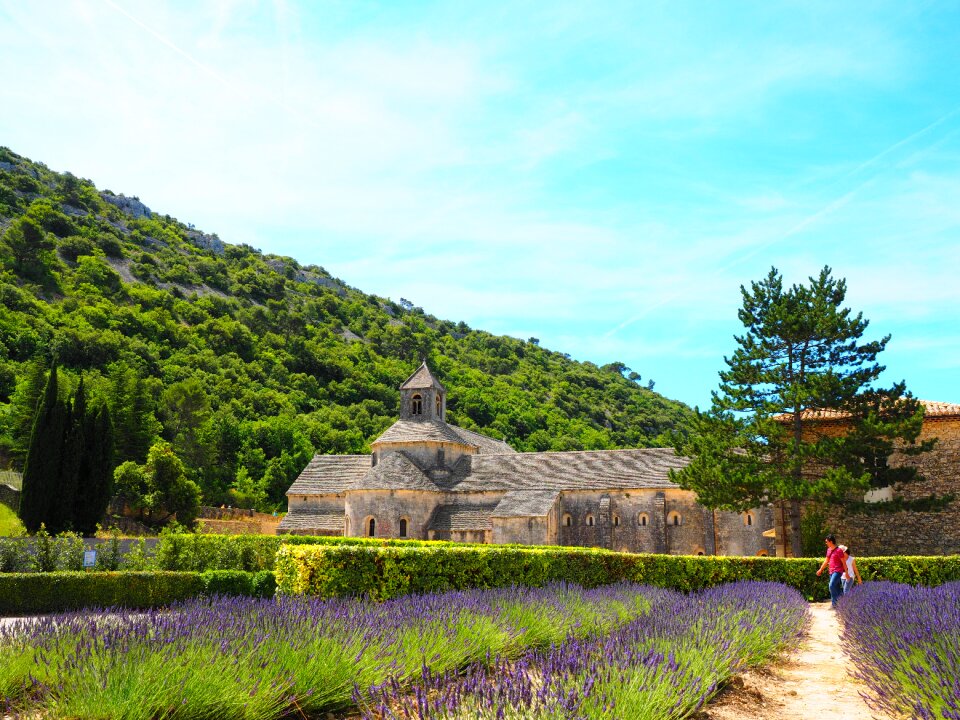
(931,409)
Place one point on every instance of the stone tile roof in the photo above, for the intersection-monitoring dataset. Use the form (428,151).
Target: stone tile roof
(301,519)
(421,379)
(526,503)
(411,431)
(420,431)
(396,471)
(462,517)
(549,471)
(330,474)
(486,445)
(931,409)
(586,470)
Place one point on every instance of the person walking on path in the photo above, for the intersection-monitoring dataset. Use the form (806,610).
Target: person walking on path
(852,572)
(836,561)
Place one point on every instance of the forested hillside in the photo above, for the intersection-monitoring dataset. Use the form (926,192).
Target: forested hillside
(250,363)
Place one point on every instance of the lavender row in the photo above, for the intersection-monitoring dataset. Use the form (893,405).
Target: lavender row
(252,659)
(665,664)
(905,644)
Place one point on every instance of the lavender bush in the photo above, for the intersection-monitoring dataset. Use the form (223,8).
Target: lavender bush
(246,658)
(661,665)
(905,644)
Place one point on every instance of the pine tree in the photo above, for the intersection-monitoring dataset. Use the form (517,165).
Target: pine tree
(802,351)
(41,473)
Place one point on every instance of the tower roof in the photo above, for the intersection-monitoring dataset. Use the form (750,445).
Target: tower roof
(422,379)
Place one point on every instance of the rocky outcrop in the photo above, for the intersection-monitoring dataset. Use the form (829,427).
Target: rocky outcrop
(131,206)
(206,242)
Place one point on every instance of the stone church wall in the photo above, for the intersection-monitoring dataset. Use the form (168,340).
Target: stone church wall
(523,530)
(388,507)
(736,537)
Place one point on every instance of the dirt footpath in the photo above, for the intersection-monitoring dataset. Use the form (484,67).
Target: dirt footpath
(811,683)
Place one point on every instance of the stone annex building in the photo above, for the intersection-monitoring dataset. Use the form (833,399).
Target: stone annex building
(428,479)
(903,532)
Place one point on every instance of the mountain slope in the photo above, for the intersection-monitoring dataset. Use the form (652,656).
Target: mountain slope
(249,363)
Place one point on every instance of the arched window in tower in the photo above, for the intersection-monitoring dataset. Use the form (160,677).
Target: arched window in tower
(674,518)
(589,520)
(567,520)
(372,527)
(439,407)
(748,518)
(403,527)
(416,404)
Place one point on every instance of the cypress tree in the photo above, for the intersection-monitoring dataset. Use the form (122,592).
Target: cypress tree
(24,405)
(95,479)
(41,472)
(74,465)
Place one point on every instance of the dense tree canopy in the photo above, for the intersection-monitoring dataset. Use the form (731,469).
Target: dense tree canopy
(247,364)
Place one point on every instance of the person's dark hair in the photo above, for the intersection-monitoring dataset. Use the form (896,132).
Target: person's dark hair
(831,538)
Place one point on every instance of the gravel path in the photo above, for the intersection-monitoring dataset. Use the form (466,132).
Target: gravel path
(811,683)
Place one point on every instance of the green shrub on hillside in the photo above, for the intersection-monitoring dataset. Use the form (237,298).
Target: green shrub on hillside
(242,360)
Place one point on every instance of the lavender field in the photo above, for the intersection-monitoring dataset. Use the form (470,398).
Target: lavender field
(617,651)
(905,644)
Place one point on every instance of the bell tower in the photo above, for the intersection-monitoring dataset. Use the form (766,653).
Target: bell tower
(422,397)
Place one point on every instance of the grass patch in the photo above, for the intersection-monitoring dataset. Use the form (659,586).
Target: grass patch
(10,524)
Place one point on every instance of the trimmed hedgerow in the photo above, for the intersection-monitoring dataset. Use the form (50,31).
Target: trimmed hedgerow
(35,593)
(253,553)
(387,572)
(32,593)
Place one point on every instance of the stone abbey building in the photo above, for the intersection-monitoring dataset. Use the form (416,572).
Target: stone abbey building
(428,479)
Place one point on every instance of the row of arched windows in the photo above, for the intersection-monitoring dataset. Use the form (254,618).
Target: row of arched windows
(673,518)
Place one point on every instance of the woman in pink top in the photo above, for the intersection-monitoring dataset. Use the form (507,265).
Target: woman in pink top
(836,561)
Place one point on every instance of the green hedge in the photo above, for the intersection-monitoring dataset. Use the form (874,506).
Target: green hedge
(253,553)
(36,593)
(387,572)
(33,593)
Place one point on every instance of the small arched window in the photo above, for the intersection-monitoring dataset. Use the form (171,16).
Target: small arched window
(643,520)
(699,552)
(674,519)
(589,520)
(567,520)
(403,527)
(416,404)
(762,553)
(748,518)
(372,527)
(616,521)
(439,407)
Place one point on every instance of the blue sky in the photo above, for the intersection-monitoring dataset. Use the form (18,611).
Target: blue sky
(602,176)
